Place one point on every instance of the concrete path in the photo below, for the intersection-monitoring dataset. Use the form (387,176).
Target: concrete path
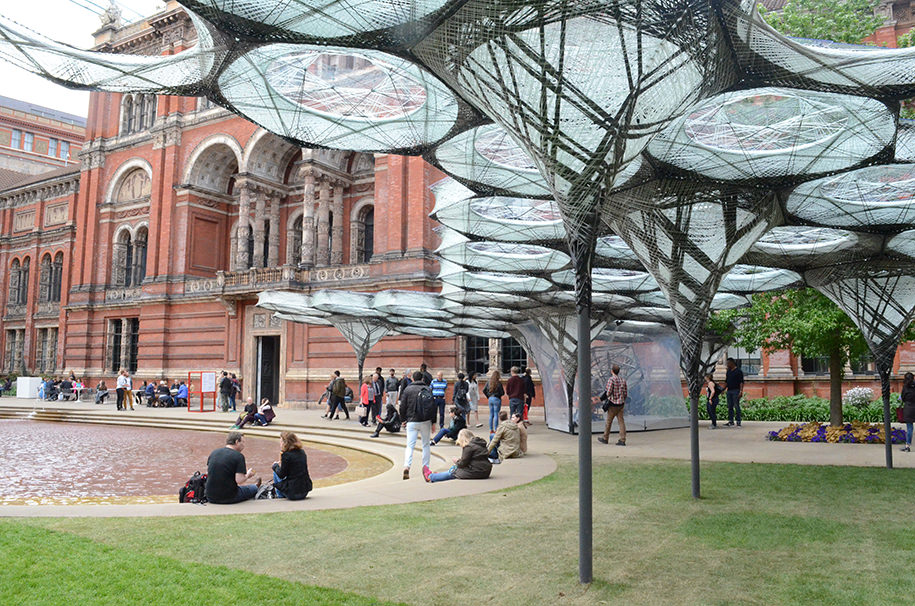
(745,445)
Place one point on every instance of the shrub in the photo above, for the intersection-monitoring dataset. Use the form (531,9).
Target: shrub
(860,397)
(798,409)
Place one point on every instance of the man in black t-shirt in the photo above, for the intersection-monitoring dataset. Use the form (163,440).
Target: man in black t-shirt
(226,474)
(734,382)
(225,390)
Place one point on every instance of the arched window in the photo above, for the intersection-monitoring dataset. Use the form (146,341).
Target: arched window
(266,244)
(57,272)
(362,232)
(15,274)
(138,112)
(45,273)
(250,245)
(127,123)
(139,257)
(294,243)
(122,253)
(368,235)
(330,236)
(24,282)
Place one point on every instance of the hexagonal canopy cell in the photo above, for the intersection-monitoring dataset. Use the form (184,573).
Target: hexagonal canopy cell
(360,100)
(874,197)
(308,19)
(795,246)
(749,279)
(770,133)
(487,155)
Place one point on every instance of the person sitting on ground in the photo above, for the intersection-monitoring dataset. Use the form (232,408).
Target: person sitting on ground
(7,386)
(248,415)
(101,392)
(173,389)
(451,432)
(226,475)
(510,439)
(181,398)
(473,464)
(163,397)
(265,413)
(391,421)
(290,474)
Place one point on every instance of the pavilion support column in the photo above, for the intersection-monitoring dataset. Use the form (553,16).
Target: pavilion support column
(242,259)
(260,209)
(307,259)
(273,245)
(336,251)
(886,369)
(322,255)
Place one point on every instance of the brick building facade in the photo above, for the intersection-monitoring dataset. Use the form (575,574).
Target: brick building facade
(36,139)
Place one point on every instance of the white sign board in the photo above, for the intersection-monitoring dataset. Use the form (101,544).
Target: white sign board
(208,382)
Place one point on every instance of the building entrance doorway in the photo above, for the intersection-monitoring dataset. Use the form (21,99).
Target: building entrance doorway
(268,369)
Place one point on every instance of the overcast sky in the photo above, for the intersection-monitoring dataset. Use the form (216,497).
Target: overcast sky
(64,21)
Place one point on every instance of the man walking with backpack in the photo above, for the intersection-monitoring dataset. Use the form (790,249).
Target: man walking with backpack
(417,409)
(617,392)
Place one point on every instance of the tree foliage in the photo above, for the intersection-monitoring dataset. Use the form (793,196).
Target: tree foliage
(847,21)
(804,322)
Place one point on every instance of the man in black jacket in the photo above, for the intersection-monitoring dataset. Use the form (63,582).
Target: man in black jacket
(416,426)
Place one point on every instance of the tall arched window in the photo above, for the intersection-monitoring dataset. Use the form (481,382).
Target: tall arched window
(362,232)
(139,257)
(45,272)
(330,236)
(122,253)
(368,234)
(24,282)
(294,243)
(57,273)
(138,112)
(15,274)
(127,115)
(266,244)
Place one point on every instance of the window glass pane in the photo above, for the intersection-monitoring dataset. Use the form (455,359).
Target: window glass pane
(65,150)
(28,141)
(818,365)
(52,147)
(15,143)
(750,362)
(512,355)
(863,365)
(477,350)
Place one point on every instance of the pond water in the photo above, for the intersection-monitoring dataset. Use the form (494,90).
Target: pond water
(55,463)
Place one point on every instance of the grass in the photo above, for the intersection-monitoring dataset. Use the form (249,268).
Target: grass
(762,534)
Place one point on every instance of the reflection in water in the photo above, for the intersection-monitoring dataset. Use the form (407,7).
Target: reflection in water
(44,463)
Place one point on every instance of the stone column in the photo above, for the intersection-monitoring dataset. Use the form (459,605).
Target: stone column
(125,343)
(308,222)
(242,260)
(273,245)
(322,256)
(260,209)
(336,252)
(495,354)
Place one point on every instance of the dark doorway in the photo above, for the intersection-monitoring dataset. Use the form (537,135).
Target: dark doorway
(268,369)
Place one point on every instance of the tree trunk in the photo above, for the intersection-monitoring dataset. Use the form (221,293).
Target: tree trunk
(836,373)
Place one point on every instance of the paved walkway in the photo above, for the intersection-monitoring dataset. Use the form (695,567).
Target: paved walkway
(746,445)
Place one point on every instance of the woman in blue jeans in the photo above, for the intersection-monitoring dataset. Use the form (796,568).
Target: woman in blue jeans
(494,391)
(908,407)
(473,463)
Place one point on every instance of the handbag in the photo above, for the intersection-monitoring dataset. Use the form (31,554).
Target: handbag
(899,416)
(361,410)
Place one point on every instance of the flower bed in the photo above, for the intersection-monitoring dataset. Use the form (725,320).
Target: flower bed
(855,432)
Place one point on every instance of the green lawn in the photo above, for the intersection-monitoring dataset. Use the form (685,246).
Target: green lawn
(763,534)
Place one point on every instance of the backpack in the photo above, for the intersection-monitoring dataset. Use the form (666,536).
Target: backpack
(194,490)
(425,405)
(339,387)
